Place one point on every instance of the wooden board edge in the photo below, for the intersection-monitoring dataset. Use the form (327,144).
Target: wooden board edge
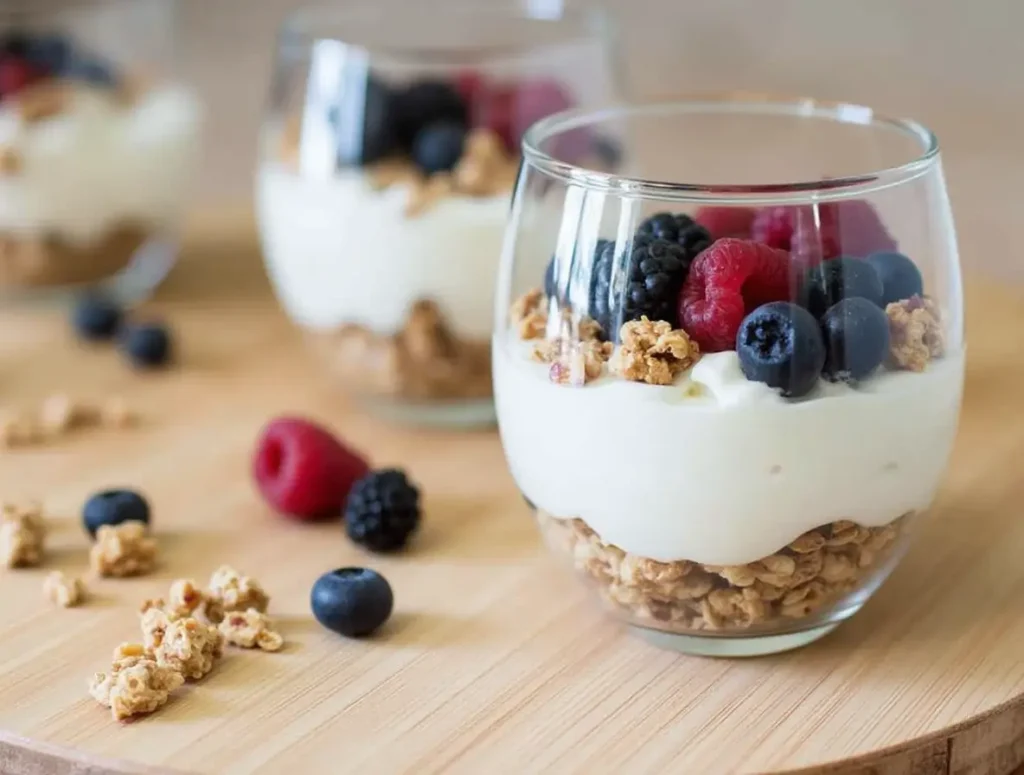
(24,756)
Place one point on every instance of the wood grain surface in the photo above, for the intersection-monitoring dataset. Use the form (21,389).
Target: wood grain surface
(494,661)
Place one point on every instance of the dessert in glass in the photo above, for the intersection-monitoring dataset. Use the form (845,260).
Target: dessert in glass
(735,387)
(97,142)
(387,161)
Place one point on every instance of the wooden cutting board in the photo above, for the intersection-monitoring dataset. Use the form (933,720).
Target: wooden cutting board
(494,661)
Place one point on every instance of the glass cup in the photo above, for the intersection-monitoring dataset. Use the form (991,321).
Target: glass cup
(386,163)
(97,143)
(735,387)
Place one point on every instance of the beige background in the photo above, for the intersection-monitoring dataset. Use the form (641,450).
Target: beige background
(952,64)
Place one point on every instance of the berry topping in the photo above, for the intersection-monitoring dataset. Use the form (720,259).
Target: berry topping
(302,470)
(376,137)
(96,317)
(726,281)
(780,344)
(813,233)
(90,70)
(856,335)
(438,147)
(678,228)
(51,54)
(112,507)
(901,279)
(655,274)
(726,221)
(15,74)
(427,102)
(602,305)
(352,601)
(147,345)
(470,85)
(494,108)
(836,279)
(383,510)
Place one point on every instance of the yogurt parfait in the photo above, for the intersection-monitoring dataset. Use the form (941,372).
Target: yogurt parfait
(729,401)
(387,164)
(96,148)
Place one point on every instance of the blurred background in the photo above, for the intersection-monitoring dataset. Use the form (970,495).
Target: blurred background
(952,65)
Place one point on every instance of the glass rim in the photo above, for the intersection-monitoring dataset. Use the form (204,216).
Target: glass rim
(311,19)
(798,192)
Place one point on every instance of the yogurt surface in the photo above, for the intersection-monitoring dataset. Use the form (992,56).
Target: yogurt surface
(718,469)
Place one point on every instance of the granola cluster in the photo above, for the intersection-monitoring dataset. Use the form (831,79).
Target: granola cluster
(916,337)
(22,535)
(136,683)
(654,352)
(123,550)
(250,629)
(814,571)
(232,591)
(57,416)
(63,591)
(529,314)
(425,360)
(189,646)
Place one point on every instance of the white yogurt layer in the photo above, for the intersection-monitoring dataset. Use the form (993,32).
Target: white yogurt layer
(339,252)
(733,473)
(100,164)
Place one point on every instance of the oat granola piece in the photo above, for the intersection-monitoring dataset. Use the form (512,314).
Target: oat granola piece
(654,352)
(250,629)
(123,550)
(19,430)
(154,620)
(185,597)
(190,647)
(529,314)
(22,535)
(231,591)
(43,100)
(916,335)
(136,684)
(573,363)
(63,591)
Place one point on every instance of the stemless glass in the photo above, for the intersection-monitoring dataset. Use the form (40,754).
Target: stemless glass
(737,383)
(383,186)
(97,142)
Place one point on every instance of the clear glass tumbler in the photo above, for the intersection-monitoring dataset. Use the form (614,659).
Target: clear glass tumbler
(97,143)
(387,159)
(736,385)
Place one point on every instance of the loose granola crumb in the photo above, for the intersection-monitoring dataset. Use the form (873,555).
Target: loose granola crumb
(63,591)
(795,582)
(123,550)
(916,335)
(189,646)
(653,352)
(19,430)
(22,535)
(251,629)
(529,314)
(115,413)
(136,684)
(232,591)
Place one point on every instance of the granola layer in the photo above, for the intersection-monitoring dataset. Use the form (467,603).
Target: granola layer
(41,261)
(425,361)
(779,592)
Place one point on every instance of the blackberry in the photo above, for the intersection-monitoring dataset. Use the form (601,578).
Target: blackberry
(678,228)
(383,510)
(602,304)
(657,269)
(424,103)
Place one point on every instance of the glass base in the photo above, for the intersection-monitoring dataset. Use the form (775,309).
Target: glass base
(464,415)
(754,646)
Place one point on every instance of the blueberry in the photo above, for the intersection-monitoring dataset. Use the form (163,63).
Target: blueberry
(837,279)
(900,276)
(856,334)
(50,53)
(112,507)
(438,147)
(90,70)
(352,601)
(780,344)
(96,317)
(427,102)
(147,345)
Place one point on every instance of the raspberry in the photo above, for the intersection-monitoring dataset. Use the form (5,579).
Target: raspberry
(302,470)
(494,108)
(726,221)
(814,233)
(727,281)
(15,75)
